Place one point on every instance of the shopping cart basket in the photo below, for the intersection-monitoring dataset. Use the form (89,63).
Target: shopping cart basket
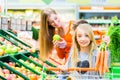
(74,75)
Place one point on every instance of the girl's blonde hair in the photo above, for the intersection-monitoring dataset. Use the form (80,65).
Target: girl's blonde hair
(76,47)
(46,33)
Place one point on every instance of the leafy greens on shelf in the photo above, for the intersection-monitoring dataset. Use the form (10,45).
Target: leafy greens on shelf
(114,44)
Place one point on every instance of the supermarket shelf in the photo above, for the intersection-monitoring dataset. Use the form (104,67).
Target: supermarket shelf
(58,5)
(12,70)
(1,77)
(104,11)
(99,21)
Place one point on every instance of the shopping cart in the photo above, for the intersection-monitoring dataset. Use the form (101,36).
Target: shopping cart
(74,75)
(101,69)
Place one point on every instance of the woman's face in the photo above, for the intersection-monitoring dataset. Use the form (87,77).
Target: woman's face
(54,21)
(82,38)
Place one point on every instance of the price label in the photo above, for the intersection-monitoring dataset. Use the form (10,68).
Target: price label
(97,8)
(99,1)
(25,34)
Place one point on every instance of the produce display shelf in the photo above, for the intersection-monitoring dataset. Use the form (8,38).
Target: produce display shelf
(1,43)
(9,39)
(36,55)
(9,58)
(115,70)
(12,32)
(2,78)
(10,35)
(12,70)
(22,56)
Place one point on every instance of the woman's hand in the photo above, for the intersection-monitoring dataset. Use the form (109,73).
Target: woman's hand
(61,44)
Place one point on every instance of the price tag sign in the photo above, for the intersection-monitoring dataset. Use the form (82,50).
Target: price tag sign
(97,8)
(25,34)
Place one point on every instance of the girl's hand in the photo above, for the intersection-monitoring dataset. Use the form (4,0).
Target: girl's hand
(106,39)
(61,44)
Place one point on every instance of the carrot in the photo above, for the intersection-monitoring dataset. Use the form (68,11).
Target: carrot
(103,67)
(98,60)
(106,62)
(101,62)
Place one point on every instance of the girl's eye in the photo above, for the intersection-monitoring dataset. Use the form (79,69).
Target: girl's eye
(55,18)
(86,35)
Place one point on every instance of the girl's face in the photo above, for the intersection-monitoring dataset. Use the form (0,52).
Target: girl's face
(82,38)
(54,21)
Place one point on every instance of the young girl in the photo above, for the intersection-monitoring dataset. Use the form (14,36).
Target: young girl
(84,51)
(50,25)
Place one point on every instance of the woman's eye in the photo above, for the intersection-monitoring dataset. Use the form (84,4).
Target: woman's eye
(79,35)
(51,22)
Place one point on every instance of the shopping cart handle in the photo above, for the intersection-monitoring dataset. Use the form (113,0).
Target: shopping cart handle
(73,69)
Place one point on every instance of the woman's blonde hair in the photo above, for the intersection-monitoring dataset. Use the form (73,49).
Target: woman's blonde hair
(46,33)
(76,47)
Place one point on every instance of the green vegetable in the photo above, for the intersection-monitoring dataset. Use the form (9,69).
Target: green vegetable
(103,46)
(114,44)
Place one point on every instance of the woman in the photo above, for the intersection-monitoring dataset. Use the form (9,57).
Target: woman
(50,25)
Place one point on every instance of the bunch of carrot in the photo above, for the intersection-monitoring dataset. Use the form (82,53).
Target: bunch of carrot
(102,59)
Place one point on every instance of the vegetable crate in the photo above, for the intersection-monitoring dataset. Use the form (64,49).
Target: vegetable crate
(115,72)
(32,63)
(35,55)
(8,58)
(2,78)
(12,38)
(7,68)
